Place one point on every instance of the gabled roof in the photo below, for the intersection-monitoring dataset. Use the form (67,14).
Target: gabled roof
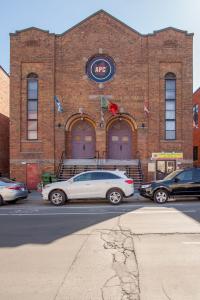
(101,11)
(1,68)
(30,28)
(198,90)
(172,28)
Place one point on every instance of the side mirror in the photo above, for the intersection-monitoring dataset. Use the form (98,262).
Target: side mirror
(71,180)
(176,180)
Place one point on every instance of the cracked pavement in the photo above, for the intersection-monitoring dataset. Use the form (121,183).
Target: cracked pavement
(124,263)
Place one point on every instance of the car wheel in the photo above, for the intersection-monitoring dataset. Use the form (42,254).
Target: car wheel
(1,200)
(115,196)
(57,197)
(161,196)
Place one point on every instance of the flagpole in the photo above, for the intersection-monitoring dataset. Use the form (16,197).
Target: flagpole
(102,121)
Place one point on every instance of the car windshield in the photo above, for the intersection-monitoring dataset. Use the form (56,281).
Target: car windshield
(6,180)
(172,175)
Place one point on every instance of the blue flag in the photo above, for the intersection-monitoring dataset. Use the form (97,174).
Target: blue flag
(58,104)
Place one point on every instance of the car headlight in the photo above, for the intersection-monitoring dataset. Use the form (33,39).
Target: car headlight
(145,186)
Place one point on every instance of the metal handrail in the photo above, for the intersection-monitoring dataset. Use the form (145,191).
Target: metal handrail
(97,154)
(104,154)
(97,158)
(60,164)
(140,168)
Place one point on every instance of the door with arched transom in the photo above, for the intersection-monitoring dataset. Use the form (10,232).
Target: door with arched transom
(83,140)
(119,140)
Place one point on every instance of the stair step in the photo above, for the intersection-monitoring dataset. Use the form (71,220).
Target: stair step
(133,171)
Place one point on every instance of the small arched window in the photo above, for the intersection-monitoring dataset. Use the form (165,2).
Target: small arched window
(32,106)
(170,106)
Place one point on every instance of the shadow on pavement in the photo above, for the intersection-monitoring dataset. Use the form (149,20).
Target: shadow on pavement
(29,224)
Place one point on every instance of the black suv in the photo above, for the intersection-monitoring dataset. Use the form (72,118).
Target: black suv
(178,183)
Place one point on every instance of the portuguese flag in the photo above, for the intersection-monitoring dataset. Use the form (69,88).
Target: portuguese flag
(109,106)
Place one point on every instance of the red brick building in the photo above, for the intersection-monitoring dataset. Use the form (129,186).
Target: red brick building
(196,127)
(144,80)
(4,122)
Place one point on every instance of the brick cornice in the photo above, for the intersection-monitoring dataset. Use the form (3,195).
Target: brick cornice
(17,32)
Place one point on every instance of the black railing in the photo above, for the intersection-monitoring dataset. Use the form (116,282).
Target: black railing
(97,154)
(104,154)
(140,169)
(60,164)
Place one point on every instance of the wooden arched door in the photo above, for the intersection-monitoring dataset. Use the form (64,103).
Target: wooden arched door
(83,140)
(119,140)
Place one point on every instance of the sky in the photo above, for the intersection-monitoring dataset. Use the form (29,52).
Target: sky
(57,16)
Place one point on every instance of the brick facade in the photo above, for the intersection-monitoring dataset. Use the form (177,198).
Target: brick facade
(4,122)
(59,60)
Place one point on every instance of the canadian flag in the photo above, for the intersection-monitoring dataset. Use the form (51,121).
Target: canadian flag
(146,108)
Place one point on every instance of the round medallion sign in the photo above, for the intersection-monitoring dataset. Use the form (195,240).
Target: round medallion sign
(100,68)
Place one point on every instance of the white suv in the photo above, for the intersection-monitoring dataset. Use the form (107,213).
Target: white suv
(113,185)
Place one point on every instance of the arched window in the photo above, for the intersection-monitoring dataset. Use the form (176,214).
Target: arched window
(32,106)
(170,106)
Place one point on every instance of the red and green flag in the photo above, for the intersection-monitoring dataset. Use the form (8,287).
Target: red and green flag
(109,106)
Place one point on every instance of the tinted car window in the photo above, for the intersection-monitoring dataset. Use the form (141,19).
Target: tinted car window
(2,179)
(103,175)
(2,183)
(196,174)
(185,175)
(83,177)
(112,176)
(172,175)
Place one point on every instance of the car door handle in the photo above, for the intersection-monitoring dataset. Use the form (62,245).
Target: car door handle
(88,184)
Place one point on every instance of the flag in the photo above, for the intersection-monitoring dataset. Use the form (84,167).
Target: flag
(113,108)
(108,105)
(58,104)
(195,116)
(104,103)
(146,109)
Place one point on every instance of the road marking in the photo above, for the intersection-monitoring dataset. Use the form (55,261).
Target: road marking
(104,205)
(95,213)
(56,214)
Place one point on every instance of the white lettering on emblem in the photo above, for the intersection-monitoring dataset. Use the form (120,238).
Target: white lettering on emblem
(100,69)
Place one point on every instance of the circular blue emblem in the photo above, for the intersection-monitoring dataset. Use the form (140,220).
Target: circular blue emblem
(100,68)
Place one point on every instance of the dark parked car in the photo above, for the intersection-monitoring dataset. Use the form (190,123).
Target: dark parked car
(184,183)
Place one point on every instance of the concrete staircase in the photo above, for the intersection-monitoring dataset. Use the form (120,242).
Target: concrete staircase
(70,167)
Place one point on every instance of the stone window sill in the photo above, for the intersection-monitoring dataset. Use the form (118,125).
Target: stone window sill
(31,141)
(171,141)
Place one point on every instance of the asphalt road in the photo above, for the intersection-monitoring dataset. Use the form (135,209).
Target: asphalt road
(36,221)
(92,250)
